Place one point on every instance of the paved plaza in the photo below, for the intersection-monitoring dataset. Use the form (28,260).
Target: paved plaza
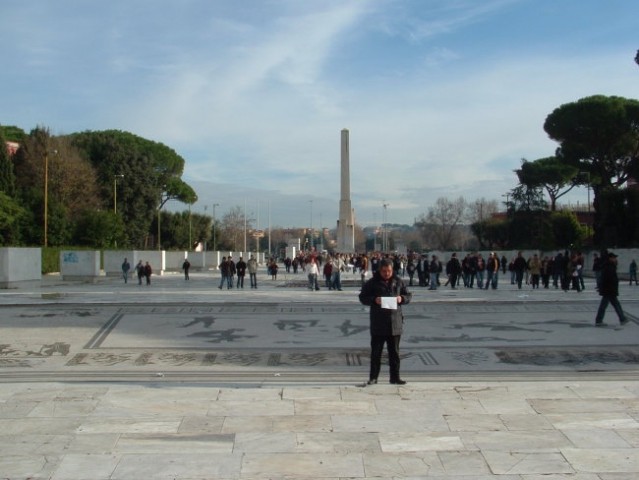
(181,380)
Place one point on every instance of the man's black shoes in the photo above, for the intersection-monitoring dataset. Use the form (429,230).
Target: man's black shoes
(372,381)
(398,382)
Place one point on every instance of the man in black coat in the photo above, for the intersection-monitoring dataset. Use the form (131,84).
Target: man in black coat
(385,294)
(609,289)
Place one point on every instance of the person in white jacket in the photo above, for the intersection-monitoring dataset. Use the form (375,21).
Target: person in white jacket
(313,272)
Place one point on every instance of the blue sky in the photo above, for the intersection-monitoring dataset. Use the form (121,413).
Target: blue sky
(442,98)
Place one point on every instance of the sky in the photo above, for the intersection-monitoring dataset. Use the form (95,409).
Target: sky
(442,98)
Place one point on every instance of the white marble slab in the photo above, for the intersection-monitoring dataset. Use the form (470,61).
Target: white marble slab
(296,465)
(523,463)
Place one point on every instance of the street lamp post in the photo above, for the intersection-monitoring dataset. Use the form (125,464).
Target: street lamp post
(507,195)
(46,196)
(311,232)
(587,175)
(214,227)
(384,228)
(115,192)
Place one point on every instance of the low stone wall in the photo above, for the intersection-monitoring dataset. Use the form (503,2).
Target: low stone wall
(20,267)
(82,265)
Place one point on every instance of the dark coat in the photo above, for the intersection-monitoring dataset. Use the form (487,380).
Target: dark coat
(609,283)
(384,322)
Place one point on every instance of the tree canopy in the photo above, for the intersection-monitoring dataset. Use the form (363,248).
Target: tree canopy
(598,135)
(549,173)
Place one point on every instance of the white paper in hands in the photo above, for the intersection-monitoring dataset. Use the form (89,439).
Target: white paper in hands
(389,302)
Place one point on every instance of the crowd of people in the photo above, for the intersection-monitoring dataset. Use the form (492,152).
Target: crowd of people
(564,270)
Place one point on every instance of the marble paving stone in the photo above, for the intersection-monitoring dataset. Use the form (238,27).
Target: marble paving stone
(544,390)
(42,393)
(559,476)
(44,426)
(452,407)
(507,405)
(416,442)
(100,443)
(608,460)
(526,422)
(129,425)
(271,442)
(514,462)
(16,409)
(84,467)
(202,443)
(391,465)
(522,441)
(147,406)
(619,390)
(400,406)
(279,423)
(616,476)
(228,408)
(474,423)
(377,423)
(178,466)
(35,444)
(297,393)
(338,442)
(613,420)
(201,424)
(630,435)
(31,467)
(464,463)
(596,438)
(329,407)
(59,407)
(577,406)
(479,391)
(302,465)
(250,394)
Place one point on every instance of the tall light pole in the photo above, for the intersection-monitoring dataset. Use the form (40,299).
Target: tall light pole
(46,195)
(311,232)
(587,174)
(384,232)
(115,192)
(214,227)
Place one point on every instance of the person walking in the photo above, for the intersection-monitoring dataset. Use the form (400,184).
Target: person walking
(609,289)
(139,269)
(224,274)
(185,266)
(385,294)
(519,267)
(251,266)
(313,271)
(240,269)
(492,271)
(126,266)
(632,271)
(453,270)
(534,265)
(433,269)
(148,271)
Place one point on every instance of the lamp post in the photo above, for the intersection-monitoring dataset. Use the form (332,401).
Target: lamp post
(384,228)
(214,228)
(311,232)
(507,195)
(46,196)
(115,192)
(587,175)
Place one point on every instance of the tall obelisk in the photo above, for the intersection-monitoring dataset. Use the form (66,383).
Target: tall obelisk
(346,222)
